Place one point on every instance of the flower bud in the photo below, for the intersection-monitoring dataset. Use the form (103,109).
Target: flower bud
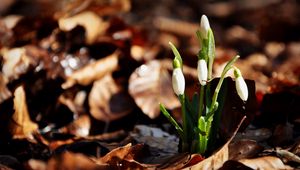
(202,72)
(204,26)
(240,85)
(178,81)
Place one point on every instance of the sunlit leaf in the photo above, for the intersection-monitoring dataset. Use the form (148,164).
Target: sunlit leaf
(149,85)
(22,126)
(108,101)
(92,71)
(265,163)
(92,23)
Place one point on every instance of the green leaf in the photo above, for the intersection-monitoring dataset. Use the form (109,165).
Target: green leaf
(210,52)
(192,107)
(211,45)
(171,120)
(199,37)
(176,54)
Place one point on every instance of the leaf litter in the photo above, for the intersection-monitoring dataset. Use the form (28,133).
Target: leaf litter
(80,85)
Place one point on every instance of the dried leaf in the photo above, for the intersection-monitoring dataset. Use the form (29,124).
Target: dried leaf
(35,164)
(8,162)
(258,135)
(16,62)
(119,153)
(124,158)
(231,164)
(11,21)
(92,23)
(69,160)
(158,141)
(265,163)
(79,127)
(287,155)
(244,148)
(22,126)
(92,71)
(179,161)
(150,84)
(108,101)
(4,92)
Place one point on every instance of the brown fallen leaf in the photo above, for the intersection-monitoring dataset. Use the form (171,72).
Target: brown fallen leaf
(21,125)
(179,161)
(289,156)
(244,148)
(68,160)
(120,153)
(35,164)
(124,158)
(156,139)
(101,8)
(4,92)
(79,127)
(92,71)
(265,163)
(16,62)
(108,101)
(151,84)
(92,23)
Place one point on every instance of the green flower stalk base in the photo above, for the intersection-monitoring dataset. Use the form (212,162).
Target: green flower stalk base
(198,113)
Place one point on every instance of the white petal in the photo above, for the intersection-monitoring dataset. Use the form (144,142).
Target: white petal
(202,72)
(241,88)
(204,26)
(178,81)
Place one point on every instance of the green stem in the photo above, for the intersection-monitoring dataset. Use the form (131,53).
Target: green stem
(184,124)
(202,137)
(217,90)
(201,101)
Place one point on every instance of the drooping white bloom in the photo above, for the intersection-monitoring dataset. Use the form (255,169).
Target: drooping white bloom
(178,81)
(240,85)
(202,72)
(204,26)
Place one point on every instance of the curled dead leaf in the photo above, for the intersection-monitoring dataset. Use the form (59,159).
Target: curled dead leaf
(4,92)
(79,127)
(265,163)
(16,62)
(92,71)
(35,164)
(244,148)
(158,140)
(150,84)
(124,157)
(108,101)
(92,23)
(69,160)
(21,125)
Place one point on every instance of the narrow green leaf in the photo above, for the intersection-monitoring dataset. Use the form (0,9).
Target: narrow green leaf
(211,45)
(171,120)
(176,53)
(210,52)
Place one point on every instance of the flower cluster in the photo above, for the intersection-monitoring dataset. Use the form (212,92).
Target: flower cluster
(198,114)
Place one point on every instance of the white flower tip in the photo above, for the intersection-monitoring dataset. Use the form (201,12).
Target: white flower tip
(178,81)
(202,72)
(204,26)
(241,88)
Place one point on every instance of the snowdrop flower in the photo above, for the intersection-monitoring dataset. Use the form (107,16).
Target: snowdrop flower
(178,81)
(240,85)
(204,26)
(202,72)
